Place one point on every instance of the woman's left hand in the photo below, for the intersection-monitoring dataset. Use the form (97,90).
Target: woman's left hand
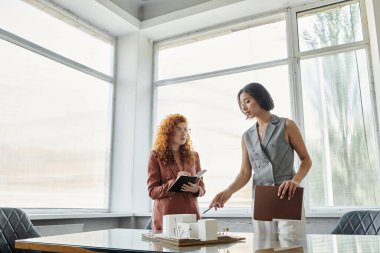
(189,187)
(289,186)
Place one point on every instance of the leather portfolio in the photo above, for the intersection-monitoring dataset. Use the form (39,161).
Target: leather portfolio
(268,206)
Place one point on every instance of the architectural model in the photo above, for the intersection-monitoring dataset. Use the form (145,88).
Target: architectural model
(185,226)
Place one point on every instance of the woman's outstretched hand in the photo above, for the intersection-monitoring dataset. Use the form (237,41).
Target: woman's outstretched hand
(220,199)
(288,186)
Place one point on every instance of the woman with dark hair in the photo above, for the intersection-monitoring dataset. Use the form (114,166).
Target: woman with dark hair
(172,157)
(268,150)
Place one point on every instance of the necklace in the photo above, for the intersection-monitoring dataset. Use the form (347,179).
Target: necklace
(262,132)
(263,128)
(261,135)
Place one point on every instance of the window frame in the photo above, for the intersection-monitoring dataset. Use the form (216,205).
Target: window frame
(295,85)
(298,56)
(66,16)
(257,20)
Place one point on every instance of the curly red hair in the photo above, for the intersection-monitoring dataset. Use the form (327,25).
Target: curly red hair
(162,144)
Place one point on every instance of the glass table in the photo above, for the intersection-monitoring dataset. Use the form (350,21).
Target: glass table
(130,240)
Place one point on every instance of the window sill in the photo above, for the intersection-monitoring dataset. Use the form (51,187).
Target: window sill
(220,213)
(77,216)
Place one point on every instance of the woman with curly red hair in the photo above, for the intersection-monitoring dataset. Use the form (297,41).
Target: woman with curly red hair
(172,157)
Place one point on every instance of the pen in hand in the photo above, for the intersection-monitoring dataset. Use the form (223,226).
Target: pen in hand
(207,210)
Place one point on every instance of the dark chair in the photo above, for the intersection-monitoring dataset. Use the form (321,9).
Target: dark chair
(148,226)
(359,223)
(14,225)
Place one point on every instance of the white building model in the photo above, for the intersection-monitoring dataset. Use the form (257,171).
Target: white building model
(184,226)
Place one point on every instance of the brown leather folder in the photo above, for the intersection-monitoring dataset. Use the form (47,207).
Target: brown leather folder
(268,206)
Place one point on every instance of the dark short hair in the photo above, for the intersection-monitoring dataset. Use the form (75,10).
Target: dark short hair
(259,93)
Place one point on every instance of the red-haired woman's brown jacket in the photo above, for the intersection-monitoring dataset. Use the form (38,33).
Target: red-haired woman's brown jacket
(160,178)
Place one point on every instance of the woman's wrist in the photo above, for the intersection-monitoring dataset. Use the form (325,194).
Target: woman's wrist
(296,180)
(228,191)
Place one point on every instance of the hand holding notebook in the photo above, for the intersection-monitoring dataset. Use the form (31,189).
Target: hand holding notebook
(181,180)
(269,206)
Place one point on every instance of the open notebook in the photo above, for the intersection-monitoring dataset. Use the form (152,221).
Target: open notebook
(177,185)
(268,206)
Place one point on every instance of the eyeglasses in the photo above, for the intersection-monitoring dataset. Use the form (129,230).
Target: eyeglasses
(179,130)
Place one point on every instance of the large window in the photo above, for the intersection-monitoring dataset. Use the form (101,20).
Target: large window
(55,121)
(321,81)
(66,37)
(225,49)
(210,101)
(338,112)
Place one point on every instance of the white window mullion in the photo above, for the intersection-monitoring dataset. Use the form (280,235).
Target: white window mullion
(374,108)
(221,72)
(363,17)
(12,38)
(292,62)
(332,50)
(294,76)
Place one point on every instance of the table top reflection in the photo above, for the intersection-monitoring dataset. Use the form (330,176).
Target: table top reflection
(130,240)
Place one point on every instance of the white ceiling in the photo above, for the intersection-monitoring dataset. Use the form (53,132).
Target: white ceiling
(146,9)
(160,19)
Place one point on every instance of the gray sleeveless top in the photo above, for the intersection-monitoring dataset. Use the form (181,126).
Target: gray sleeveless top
(272,160)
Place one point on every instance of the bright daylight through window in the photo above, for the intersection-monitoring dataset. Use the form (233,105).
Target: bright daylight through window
(55,121)
(338,112)
(323,85)
(210,103)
